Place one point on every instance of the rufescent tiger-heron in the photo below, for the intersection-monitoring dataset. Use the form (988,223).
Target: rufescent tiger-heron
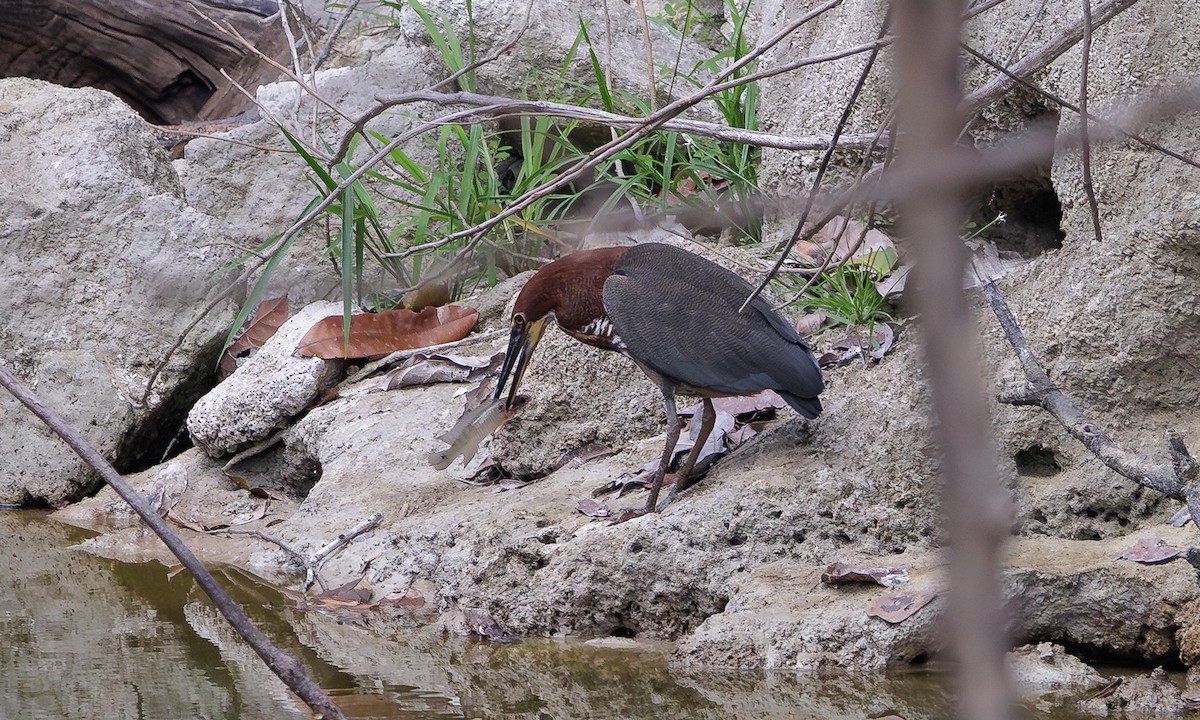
(675,314)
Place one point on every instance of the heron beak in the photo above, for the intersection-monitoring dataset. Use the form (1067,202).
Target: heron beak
(521,343)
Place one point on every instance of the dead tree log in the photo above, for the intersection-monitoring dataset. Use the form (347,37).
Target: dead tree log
(162,58)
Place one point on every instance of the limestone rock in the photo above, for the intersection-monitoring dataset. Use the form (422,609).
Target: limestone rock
(102,266)
(266,391)
(1152,695)
(1048,669)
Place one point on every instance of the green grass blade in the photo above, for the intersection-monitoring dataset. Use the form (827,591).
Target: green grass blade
(348,254)
(606,97)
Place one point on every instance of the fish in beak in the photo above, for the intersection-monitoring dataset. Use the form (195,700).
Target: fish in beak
(521,343)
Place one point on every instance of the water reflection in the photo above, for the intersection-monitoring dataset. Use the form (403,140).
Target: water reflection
(83,637)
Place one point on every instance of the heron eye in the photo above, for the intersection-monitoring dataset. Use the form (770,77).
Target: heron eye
(518,320)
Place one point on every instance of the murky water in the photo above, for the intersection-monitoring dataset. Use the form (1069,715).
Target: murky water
(83,637)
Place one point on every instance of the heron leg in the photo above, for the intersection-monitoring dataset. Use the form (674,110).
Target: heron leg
(668,391)
(683,478)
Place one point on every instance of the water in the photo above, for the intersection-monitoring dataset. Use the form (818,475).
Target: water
(83,637)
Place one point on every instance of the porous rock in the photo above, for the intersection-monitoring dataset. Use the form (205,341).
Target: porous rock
(1048,669)
(102,267)
(266,391)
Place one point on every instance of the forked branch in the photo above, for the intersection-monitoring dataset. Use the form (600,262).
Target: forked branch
(1177,479)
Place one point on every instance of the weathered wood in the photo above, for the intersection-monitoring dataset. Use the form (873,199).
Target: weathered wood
(162,58)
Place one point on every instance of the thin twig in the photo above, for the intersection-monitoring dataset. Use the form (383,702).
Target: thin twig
(1085,143)
(312,563)
(1042,56)
(651,86)
(333,35)
(359,125)
(974,102)
(499,106)
(283,665)
(1062,102)
(651,124)
(822,168)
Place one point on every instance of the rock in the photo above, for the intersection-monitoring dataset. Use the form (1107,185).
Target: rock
(102,267)
(266,391)
(1048,669)
(1152,695)
(729,572)
(549,38)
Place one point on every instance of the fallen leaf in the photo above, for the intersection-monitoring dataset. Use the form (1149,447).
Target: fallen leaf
(482,624)
(739,437)
(428,369)
(840,235)
(893,285)
(355,592)
(810,252)
(381,333)
(411,598)
(267,318)
(186,521)
(742,407)
(898,608)
(856,344)
(583,454)
(431,294)
(592,509)
(1150,551)
(809,323)
(883,339)
(267,493)
(258,513)
(840,573)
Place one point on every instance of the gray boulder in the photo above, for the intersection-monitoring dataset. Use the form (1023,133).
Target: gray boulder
(102,267)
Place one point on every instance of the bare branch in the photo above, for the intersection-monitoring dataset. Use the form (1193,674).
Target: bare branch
(283,665)
(497,106)
(976,507)
(1062,102)
(1042,57)
(1176,480)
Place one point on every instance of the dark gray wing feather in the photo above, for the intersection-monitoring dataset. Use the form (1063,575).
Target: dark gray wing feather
(677,313)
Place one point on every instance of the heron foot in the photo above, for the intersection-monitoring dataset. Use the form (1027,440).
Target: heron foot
(627,514)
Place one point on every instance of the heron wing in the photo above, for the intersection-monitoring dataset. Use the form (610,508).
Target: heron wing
(677,314)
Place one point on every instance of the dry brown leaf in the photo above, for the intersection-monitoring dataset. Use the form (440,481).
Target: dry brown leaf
(431,294)
(856,344)
(482,623)
(592,509)
(428,369)
(261,327)
(833,240)
(898,608)
(1150,551)
(840,573)
(381,333)
(186,521)
(355,592)
(410,599)
(583,454)
(809,323)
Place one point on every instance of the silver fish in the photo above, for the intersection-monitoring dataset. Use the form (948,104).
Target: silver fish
(471,429)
